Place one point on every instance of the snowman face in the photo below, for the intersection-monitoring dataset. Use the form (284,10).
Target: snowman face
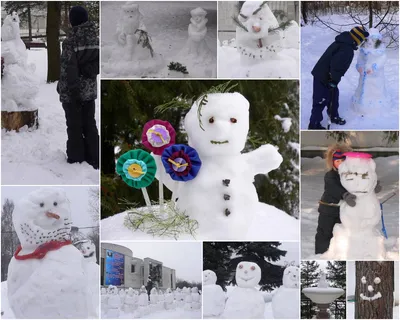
(225,122)
(10,28)
(358,175)
(42,216)
(195,290)
(198,18)
(291,277)
(254,19)
(209,277)
(248,274)
(372,290)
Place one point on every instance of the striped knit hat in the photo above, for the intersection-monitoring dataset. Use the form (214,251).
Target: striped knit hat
(359,34)
(337,155)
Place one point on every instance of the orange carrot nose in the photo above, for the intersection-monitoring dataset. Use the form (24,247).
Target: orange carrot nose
(52,215)
(256,29)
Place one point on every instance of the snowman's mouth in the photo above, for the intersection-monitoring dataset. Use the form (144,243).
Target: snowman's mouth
(248,279)
(374,297)
(361,192)
(219,142)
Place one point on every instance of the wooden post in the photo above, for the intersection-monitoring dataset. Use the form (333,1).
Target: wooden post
(17,119)
(370,306)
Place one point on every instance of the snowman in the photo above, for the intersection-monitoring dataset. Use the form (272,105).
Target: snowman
(104,301)
(358,236)
(114,303)
(285,302)
(371,96)
(213,296)
(122,295)
(222,197)
(143,302)
(169,300)
(196,304)
(188,299)
(258,36)
(153,299)
(46,276)
(130,302)
(245,301)
(19,85)
(161,300)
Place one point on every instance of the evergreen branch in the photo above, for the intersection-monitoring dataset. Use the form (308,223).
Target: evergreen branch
(176,66)
(176,103)
(282,26)
(239,24)
(260,7)
(145,39)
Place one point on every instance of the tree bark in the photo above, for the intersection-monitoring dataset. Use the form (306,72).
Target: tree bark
(304,11)
(371,14)
(16,120)
(53,42)
(380,308)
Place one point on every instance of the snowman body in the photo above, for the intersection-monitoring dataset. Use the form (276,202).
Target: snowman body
(114,304)
(285,302)
(358,236)
(169,300)
(188,299)
(213,295)
(245,301)
(130,302)
(196,304)
(104,301)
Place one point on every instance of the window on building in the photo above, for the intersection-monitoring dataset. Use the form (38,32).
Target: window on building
(133,269)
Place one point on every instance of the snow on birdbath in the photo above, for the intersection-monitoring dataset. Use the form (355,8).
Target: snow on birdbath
(322,295)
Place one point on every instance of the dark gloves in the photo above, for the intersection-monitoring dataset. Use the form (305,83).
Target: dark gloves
(378,187)
(350,199)
(332,84)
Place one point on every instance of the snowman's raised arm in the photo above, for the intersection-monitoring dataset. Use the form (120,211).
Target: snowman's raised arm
(264,159)
(376,63)
(171,184)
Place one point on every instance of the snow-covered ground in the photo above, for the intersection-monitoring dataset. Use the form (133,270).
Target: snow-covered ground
(178,313)
(6,312)
(314,41)
(38,157)
(350,309)
(312,186)
(269,224)
(167,24)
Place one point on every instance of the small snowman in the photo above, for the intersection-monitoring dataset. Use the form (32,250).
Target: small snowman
(46,276)
(161,300)
(114,303)
(143,301)
(169,299)
(154,299)
(129,302)
(213,297)
(196,304)
(188,299)
(104,301)
(197,31)
(285,302)
(245,301)
(358,235)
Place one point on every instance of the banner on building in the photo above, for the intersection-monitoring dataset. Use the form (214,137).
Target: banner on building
(114,273)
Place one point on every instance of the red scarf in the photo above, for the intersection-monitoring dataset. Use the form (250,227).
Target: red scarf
(42,250)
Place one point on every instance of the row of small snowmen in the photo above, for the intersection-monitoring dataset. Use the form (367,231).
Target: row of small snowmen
(114,301)
(246,301)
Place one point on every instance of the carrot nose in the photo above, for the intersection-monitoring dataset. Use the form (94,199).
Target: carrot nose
(52,215)
(256,29)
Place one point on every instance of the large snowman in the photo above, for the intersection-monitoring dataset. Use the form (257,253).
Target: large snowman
(222,197)
(46,276)
(19,85)
(371,96)
(245,301)
(358,236)
(213,295)
(286,299)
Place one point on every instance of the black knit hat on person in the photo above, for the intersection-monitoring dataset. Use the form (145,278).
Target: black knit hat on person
(359,34)
(78,15)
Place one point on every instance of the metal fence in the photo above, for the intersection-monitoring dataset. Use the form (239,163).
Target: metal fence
(228,9)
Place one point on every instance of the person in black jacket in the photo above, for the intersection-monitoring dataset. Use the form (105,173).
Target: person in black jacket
(77,88)
(328,72)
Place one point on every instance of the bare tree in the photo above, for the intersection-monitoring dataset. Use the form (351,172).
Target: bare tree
(53,41)
(94,203)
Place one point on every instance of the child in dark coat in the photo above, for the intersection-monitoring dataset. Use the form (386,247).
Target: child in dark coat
(328,72)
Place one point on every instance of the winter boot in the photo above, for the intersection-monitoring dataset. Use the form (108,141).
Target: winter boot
(338,120)
(315,126)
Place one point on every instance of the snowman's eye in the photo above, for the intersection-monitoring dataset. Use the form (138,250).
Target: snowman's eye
(233,120)
(260,18)
(240,267)
(211,120)
(42,204)
(253,268)
(55,203)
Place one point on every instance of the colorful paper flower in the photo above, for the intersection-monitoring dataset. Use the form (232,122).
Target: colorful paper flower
(137,168)
(181,162)
(158,135)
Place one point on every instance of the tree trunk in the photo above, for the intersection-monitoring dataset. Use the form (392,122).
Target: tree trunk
(53,42)
(29,21)
(304,11)
(371,15)
(369,306)
(18,119)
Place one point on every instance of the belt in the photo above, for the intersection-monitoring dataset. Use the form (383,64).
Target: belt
(329,204)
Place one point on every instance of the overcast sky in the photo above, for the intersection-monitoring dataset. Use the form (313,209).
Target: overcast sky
(184,257)
(78,197)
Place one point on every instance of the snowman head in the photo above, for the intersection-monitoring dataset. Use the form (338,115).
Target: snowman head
(291,277)
(357,173)
(143,289)
(198,14)
(248,274)
(209,277)
(10,28)
(257,18)
(220,126)
(374,40)
(130,292)
(42,216)
(195,290)
(87,247)
(131,14)
(168,290)
(153,291)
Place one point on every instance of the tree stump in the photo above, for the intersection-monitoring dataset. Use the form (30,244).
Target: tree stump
(17,119)
(373,277)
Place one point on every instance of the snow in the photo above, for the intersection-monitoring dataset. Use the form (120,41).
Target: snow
(286,123)
(314,41)
(313,171)
(38,157)
(167,24)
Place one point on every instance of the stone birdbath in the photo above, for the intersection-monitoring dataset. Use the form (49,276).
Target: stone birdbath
(323,296)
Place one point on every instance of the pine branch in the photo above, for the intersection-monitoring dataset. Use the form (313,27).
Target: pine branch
(145,39)
(260,7)
(176,103)
(176,66)
(282,26)
(239,24)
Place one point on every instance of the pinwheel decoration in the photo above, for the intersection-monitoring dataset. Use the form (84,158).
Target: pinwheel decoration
(156,136)
(137,168)
(181,162)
